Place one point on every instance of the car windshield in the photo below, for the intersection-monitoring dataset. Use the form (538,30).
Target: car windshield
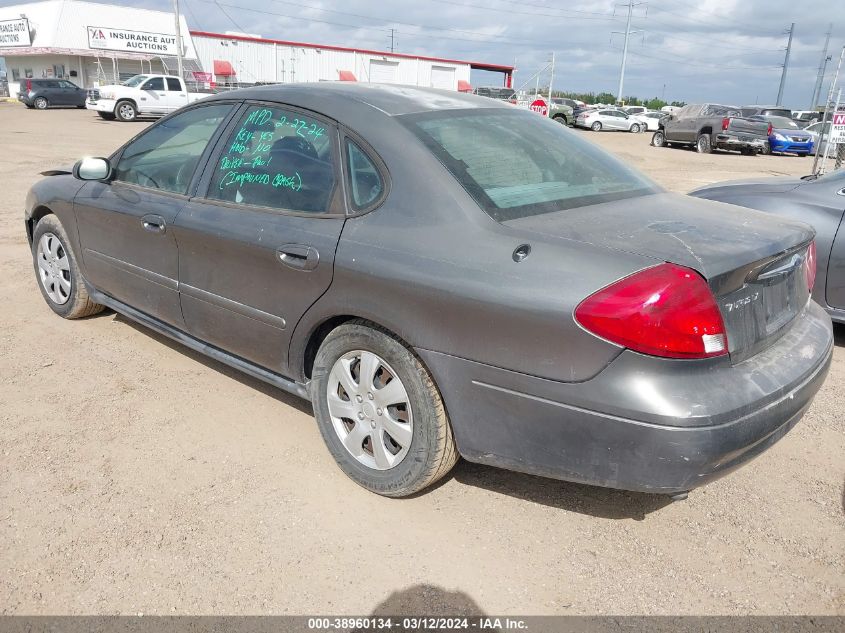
(134,81)
(517,164)
(782,122)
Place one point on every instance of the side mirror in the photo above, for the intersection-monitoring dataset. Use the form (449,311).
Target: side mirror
(92,169)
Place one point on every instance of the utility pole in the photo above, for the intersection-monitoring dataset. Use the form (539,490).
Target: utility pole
(627,32)
(551,81)
(827,111)
(822,67)
(391,40)
(785,65)
(179,64)
(663,93)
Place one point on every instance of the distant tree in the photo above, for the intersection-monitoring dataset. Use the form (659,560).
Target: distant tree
(655,103)
(605,97)
(679,104)
(632,101)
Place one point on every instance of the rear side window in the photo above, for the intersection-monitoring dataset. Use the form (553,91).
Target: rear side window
(173,84)
(516,164)
(365,180)
(277,158)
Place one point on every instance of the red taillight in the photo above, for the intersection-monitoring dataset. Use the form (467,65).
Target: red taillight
(29,85)
(810,265)
(725,123)
(666,310)
(769,130)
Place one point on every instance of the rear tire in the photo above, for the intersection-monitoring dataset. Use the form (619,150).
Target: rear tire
(430,451)
(41,103)
(57,272)
(702,145)
(596,127)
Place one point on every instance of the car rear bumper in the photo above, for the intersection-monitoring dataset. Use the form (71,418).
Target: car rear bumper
(100,105)
(24,99)
(643,423)
(729,141)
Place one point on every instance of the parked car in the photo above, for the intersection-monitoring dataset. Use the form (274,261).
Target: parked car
(803,118)
(44,93)
(710,126)
(141,96)
(561,112)
(384,252)
(579,110)
(609,119)
(752,110)
(500,94)
(817,201)
(634,109)
(652,120)
(786,137)
(572,103)
(670,109)
(821,145)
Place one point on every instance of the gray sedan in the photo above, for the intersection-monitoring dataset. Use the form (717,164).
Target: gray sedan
(819,201)
(445,275)
(609,119)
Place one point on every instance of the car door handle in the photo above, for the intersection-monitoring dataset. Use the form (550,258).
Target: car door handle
(298,256)
(154,224)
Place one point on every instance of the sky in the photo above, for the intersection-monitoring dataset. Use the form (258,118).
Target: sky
(728,51)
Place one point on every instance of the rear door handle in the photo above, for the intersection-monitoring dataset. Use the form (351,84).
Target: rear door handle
(154,224)
(298,256)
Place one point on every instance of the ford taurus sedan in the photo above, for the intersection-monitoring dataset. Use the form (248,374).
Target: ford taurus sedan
(444,275)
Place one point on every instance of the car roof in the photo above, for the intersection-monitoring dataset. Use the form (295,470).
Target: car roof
(334,98)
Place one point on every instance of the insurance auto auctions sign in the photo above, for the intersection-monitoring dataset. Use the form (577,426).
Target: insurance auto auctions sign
(837,130)
(15,33)
(106,38)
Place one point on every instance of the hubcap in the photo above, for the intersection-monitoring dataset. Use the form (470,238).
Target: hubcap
(126,112)
(370,410)
(53,268)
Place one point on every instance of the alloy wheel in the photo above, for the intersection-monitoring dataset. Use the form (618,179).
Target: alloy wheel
(370,409)
(53,268)
(126,111)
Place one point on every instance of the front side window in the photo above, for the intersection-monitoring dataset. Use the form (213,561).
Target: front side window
(166,156)
(516,164)
(277,158)
(135,81)
(156,83)
(364,177)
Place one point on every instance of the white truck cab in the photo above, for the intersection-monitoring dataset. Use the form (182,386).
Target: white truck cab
(140,96)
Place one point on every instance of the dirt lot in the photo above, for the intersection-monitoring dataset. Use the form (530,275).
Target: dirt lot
(139,477)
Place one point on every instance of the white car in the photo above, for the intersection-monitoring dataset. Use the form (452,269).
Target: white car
(609,119)
(652,120)
(815,130)
(141,95)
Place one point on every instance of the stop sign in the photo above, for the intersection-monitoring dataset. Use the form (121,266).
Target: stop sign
(539,106)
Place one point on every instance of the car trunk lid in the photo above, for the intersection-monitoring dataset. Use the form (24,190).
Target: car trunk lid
(753,262)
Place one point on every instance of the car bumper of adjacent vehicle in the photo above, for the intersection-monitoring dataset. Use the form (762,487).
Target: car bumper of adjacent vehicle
(24,99)
(643,423)
(100,105)
(728,141)
(791,147)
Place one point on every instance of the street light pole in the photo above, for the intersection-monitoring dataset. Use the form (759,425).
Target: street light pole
(785,65)
(625,51)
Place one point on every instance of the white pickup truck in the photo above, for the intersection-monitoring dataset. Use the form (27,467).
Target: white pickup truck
(140,96)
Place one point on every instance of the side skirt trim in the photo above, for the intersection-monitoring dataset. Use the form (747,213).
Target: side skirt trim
(296,388)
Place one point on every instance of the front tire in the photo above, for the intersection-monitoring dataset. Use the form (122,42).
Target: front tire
(379,411)
(125,111)
(40,103)
(702,145)
(57,272)
(659,139)
(596,127)
(561,118)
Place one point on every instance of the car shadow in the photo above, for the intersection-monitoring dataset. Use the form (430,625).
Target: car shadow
(284,397)
(839,334)
(429,601)
(602,503)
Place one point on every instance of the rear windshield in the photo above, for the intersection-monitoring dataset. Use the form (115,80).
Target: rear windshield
(782,122)
(515,163)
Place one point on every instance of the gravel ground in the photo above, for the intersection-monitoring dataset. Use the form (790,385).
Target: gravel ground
(139,477)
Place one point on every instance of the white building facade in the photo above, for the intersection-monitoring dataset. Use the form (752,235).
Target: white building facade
(88,43)
(243,59)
